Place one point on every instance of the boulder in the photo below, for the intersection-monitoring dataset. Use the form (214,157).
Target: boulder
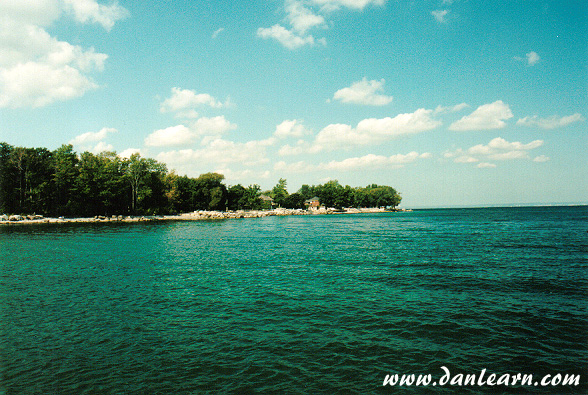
(15,218)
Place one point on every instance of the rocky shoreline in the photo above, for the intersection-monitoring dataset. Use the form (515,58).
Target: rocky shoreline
(194,216)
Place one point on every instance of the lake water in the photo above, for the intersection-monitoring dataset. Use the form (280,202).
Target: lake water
(326,304)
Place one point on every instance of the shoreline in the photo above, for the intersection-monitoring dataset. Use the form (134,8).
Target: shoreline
(193,216)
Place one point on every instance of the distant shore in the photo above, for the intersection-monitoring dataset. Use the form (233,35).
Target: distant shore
(193,216)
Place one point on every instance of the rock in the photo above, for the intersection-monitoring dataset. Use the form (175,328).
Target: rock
(3,217)
(15,218)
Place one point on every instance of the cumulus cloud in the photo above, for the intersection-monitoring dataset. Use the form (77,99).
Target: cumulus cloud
(440,15)
(541,158)
(486,165)
(213,126)
(286,37)
(332,5)
(551,122)
(497,149)
(126,154)
(458,107)
(36,69)
(301,18)
(172,136)
(295,167)
(102,147)
(184,101)
(531,58)
(366,162)
(92,137)
(372,161)
(364,92)
(290,128)
(486,117)
(372,130)
(219,152)
(90,11)
(178,135)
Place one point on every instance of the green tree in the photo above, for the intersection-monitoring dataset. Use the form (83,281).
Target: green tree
(294,200)
(209,192)
(8,179)
(65,173)
(251,199)
(235,197)
(279,192)
(145,177)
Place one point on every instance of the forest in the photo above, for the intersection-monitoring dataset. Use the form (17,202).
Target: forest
(64,183)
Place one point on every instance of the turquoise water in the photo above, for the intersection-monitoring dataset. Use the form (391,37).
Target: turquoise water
(295,305)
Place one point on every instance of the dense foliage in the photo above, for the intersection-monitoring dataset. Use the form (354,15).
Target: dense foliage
(63,183)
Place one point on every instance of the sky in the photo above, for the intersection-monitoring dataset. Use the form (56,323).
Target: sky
(451,102)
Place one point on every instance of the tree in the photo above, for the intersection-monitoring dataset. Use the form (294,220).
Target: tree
(279,192)
(7,179)
(294,200)
(251,199)
(144,175)
(235,197)
(65,173)
(209,193)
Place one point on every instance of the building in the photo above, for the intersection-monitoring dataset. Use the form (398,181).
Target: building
(268,202)
(312,202)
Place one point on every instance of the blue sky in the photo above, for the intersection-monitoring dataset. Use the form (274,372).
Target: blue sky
(452,102)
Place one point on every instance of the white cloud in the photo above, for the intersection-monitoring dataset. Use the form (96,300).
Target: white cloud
(300,148)
(541,158)
(509,155)
(440,15)
(458,107)
(465,159)
(332,5)
(532,58)
(172,136)
(497,149)
(92,137)
(486,165)
(290,128)
(372,161)
(502,144)
(486,117)
(217,32)
(213,126)
(90,11)
(372,130)
(187,100)
(295,167)
(36,69)
(219,152)
(30,12)
(102,147)
(551,122)
(286,37)
(301,18)
(126,154)
(364,92)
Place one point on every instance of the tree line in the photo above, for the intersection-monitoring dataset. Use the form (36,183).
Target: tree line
(64,183)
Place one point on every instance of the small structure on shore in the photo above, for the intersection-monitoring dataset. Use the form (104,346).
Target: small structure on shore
(314,202)
(268,202)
